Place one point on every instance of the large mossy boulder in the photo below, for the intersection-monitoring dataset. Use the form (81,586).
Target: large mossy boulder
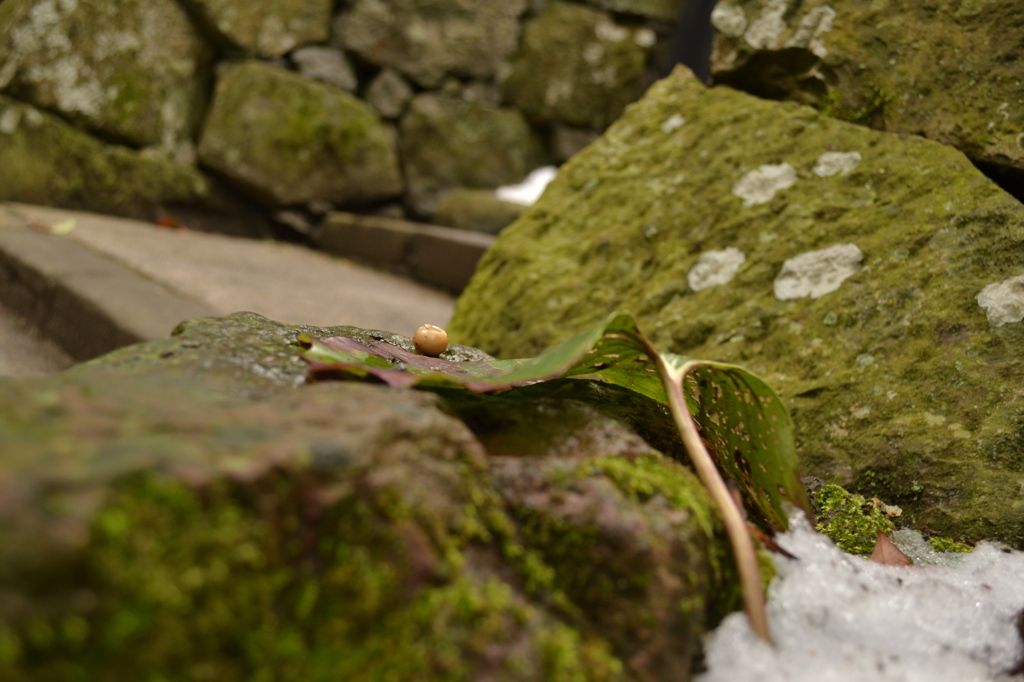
(949,70)
(269,28)
(577,66)
(190,509)
(288,140)
(873,279)
(46,160)
(449,142)
(134,71)
(430,40)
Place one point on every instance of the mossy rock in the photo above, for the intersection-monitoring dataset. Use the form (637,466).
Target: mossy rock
(900,386)
(268,28)
(430,40)
(286,140)
(190,509)
(449,143)
(948,70)
(136,72)
(50,162)
(576,65)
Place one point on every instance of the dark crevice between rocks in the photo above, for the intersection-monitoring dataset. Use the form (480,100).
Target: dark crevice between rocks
(1009,179)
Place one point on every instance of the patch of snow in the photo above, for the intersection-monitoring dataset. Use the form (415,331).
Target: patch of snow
(816,273)
(838,617)
(729,19)
(759,186)
(1003,301)
(833,163)
(672,122)
(715,268)
(529,190)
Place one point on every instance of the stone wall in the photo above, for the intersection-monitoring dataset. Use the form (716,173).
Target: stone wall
(150,107)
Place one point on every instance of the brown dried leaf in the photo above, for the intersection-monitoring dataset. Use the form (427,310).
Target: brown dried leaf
(885,552)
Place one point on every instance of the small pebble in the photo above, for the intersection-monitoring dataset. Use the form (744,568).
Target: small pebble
(430,340)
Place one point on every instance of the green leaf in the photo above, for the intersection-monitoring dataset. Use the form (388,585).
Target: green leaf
(740,419)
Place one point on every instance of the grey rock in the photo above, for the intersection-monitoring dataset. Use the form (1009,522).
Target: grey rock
(576,66)
(476,209)
(428,40)
(288,140)
(134,71)
(449,143)
(268,28)
(326,64)
(389,94)
(567,141)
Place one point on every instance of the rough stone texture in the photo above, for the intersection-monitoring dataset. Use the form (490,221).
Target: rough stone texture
(428,40)
(47,161)
(288,140)
(448,143)
(476,209)
(663,10)
(900,386)
(949,69)
(134,71)
(185,509)
(577,66)
(326,64)
(389,94)
(269,28)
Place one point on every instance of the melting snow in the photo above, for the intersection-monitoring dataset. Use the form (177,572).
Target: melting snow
(837,617)
(529,190)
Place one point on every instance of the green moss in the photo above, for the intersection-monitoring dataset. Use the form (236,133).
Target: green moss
(941,544)
(849,520)
(566,655)
(243,582)
(644,477)
(869,112)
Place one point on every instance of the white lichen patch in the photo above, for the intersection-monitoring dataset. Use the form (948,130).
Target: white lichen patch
(715,268)
(9,120)
(672,122)
(729,19)
(1003,301)
(816,273)
(808,33)
(759,186)
(645,37)
(765,31)
(833,163)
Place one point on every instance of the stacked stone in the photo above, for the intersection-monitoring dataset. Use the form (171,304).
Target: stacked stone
(381,105)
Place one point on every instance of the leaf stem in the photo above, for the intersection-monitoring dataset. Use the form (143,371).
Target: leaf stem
(732,517)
